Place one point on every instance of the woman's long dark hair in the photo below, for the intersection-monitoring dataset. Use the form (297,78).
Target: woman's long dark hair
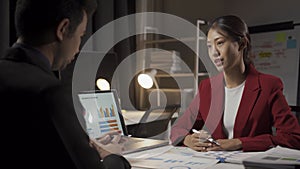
(237,29)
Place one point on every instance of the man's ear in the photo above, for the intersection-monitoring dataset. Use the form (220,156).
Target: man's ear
(62,29)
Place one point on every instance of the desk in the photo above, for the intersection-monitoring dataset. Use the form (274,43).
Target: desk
(177,158)
(227,166)
(216,166)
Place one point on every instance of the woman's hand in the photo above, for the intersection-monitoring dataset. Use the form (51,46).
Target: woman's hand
(227,144)
(197,141)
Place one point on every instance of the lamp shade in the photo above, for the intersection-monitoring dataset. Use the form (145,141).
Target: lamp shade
(145,81)
(103,84)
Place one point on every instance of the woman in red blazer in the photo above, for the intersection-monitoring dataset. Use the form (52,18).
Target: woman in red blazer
(240,106)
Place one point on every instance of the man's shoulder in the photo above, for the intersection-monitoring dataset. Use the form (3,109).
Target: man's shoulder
(23,75)
(20,74)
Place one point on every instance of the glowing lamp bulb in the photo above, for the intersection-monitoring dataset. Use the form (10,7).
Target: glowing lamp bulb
(103,84)
(145,81)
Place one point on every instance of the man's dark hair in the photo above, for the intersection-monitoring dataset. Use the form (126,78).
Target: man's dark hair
(37,19)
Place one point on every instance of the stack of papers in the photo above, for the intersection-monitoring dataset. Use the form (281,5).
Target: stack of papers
(278,157)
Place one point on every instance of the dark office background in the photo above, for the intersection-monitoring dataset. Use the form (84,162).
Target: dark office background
(107,11)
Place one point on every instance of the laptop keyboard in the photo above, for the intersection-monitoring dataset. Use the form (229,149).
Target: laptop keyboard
(131,141)
(134,140)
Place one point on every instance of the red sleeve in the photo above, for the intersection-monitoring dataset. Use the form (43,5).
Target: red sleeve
(189,119)
(286,124)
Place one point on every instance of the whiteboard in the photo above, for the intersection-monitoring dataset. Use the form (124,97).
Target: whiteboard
(277,53)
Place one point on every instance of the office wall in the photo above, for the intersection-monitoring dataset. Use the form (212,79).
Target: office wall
(258,12)
(254,12)
(4,28)
(195,9)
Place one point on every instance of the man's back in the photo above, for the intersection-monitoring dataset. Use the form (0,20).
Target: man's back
(23,82)
(37,108)
(42,119)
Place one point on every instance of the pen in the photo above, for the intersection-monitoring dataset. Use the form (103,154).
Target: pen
(210,139)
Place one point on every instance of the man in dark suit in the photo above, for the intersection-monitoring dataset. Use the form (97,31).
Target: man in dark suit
(37,106)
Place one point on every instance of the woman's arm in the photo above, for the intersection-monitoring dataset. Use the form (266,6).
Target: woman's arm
(191,118)
(285,123)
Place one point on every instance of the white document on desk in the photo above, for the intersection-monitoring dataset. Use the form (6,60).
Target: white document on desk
(278,157)
(176,157)
(227,166)
(227,156)
(148,153)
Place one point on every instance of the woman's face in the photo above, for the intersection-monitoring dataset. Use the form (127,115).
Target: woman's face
(223,50)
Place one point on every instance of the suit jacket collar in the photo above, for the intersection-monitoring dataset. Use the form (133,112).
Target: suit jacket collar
(215,114)
(249,97)
(24,53)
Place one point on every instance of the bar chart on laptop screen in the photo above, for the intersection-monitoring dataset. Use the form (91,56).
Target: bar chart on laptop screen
(101,114)
(108,120)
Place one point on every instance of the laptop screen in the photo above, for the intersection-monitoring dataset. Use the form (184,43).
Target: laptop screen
(102,113)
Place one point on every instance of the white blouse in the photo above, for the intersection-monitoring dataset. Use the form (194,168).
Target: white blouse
(233,98)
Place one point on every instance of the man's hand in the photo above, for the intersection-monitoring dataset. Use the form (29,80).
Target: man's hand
(110,143)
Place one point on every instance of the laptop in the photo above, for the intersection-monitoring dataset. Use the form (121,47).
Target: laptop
(103,114)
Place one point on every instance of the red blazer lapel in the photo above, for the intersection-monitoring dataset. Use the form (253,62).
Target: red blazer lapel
(214,119)
(249,97)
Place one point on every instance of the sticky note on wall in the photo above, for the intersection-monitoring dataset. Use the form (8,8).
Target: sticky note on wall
(291,43)
(280,37)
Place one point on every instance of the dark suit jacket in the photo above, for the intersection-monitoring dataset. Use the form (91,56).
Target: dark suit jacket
(262,106)
(43,127)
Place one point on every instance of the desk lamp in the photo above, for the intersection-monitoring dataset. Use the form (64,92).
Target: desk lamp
(102,84)
(146,80)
